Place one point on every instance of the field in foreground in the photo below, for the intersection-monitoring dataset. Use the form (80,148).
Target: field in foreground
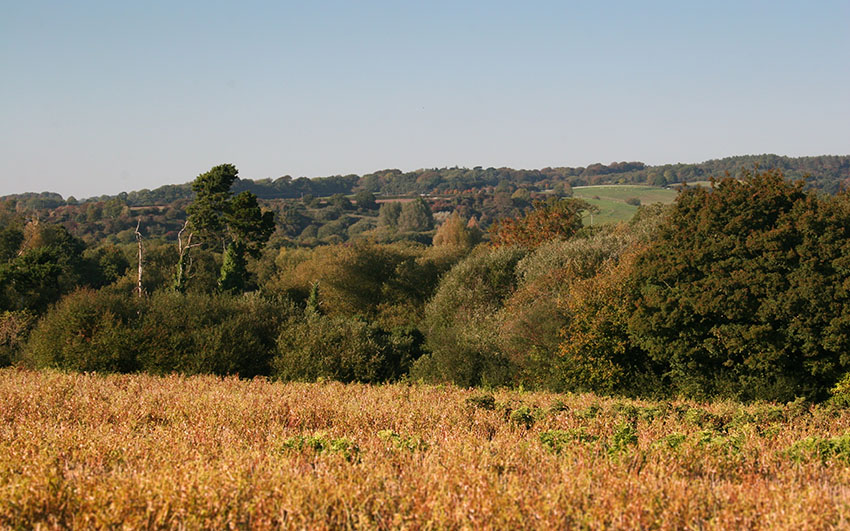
(141,451)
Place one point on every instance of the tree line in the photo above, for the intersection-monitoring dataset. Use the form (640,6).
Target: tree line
(737,290)
(827,173)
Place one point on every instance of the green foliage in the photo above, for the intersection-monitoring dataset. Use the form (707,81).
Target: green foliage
(346,349)
(388,215)
(524,416)
(340,201)
(86,331)
(365,200)
(170,332)
(556,441)
(322,443)
(410,443)
(212,198)
(388,283)
(701,418)
(49,264)
(625,435)
(11,238)
(840,392)
(482,401)
(742,294)
(415,216)
(234,271)
(104,265)
(822,449)
(460,326)
(673,441)
(247,225)
(197,333)
(236,223)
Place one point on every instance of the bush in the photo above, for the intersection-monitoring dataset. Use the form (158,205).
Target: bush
(14,330)
(169,332)
(342,348)
(218,334)
(87,331)
(460,326)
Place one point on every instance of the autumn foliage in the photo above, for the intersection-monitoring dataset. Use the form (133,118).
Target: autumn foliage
(555,218)
(135,451)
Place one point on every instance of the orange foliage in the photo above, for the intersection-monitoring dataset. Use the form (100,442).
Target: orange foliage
(545,222)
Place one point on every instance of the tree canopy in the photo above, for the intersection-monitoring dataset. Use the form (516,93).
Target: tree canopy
(235,222)
(745,290)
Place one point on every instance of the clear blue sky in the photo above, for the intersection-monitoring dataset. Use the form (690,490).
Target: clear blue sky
(100,97)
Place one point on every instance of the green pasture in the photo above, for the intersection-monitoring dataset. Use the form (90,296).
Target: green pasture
(611,200)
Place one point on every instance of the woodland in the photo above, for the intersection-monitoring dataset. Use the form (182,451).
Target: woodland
(478,277)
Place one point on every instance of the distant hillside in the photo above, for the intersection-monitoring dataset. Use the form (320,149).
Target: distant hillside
(826,172)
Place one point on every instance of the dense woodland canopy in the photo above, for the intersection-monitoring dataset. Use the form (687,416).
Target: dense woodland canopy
(739,289)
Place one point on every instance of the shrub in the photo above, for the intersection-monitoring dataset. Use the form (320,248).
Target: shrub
(87,331)
(821,449)
(624,435)
(168,332)
(460,327)
(483,401)
(341,348)
(557,440)
(411,443)
(218,334)
(322,443)
(14,330)
(524,416)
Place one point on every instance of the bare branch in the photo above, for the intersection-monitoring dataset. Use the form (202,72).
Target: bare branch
(139,288)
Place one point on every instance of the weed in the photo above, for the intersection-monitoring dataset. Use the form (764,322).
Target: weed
(482,401)
(557,440)
(672,441)
(823,449)
(321,443)
(625,435)
(523,415)
(410,443)
(590,412)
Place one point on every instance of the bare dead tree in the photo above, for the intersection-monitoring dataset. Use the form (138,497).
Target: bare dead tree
(139,288)
(183,255)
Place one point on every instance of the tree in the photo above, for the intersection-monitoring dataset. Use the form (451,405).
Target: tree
(49,264)
(415,216)
(744,292)
(236,223)
(555,218)
(340,201)
(11,239)
(365,200)
(388,215)
(460,321)
(455,232)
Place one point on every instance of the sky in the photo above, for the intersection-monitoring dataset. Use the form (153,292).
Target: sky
(103,97)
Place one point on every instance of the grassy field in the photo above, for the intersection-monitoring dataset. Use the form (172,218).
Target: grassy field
(611,200)
(90,451)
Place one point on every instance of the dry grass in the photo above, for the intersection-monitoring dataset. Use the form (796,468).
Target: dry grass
(90,451)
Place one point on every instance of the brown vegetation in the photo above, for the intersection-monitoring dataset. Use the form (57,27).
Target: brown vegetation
(89,451)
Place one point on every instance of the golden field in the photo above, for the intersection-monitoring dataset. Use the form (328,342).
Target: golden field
(91,451)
